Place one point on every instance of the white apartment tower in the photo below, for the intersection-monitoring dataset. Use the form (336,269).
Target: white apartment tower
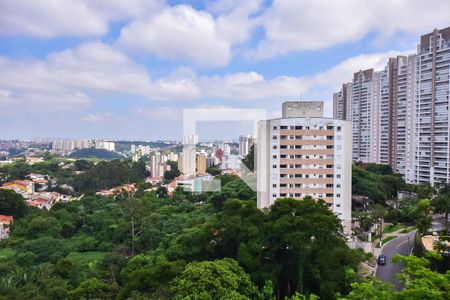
(305,154)
(245,143)
(432,137)
(404,105)
(189,153)
(361,115)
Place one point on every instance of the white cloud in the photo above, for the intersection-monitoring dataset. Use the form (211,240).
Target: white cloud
(102,117)
(81,18)
(296,25)
(251,86)
(58,81)
(51,18)
(179,32)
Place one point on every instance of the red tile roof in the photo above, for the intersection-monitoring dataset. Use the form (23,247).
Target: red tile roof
(4,218)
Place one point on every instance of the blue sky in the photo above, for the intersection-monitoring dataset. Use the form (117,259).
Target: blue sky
(126,69)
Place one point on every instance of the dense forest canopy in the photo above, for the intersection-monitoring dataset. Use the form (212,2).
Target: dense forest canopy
(215,245)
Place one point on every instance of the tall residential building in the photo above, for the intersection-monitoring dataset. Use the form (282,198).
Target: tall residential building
(189,152)
(201,163)
(403,156)
(361,115)
(341,103)
(304,154)
(245,143)
(432,137)
(155,161)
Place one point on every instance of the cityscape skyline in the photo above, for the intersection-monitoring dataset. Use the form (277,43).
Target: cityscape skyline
(99,80)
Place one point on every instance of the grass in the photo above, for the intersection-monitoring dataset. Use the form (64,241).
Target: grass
(87,257)
(384,241)
(7,252)
(407,230)
(392,228)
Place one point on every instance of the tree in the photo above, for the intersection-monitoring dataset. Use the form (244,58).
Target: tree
(441,202)
(12,204)
(149,275)
(249,160)
(161,192)
(173,172)
(218,279)
(92,288)
(379,213)
(419,281)
(424,215)
(213,171)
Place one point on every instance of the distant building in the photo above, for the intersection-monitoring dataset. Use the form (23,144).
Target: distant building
(189,153)
(230,161)
(245,143)
(106,145)
(201,163)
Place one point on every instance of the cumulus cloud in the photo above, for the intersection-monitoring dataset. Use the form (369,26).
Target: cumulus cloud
(58,81)
(298,25)
(80,18)
(179,32)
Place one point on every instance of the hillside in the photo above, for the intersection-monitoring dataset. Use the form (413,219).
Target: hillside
(96,153)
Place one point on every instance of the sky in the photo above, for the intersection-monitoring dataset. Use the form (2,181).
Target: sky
(126,69)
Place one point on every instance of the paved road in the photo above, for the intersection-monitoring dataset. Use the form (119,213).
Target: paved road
(401,245)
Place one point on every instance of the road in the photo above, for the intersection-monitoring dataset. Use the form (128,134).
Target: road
(401,245)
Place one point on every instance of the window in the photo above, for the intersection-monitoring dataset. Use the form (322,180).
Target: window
(283,127)
(274,195)
(274,166)
(275,147)
(338,195)
(275,127)
(274,137)
(338,176)
(338,128)
(274,156)
(329,195)
(274,185)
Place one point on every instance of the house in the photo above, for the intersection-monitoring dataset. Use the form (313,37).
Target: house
(33,160)
(23,187)
(47,199)
(41,203)
(5,222)
(40,181)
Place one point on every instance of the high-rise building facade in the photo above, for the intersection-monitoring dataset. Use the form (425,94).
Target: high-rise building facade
(245,143)
(303,155)
(432,137)
(404,116)
(341,103)
(401,113)
(361,115)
